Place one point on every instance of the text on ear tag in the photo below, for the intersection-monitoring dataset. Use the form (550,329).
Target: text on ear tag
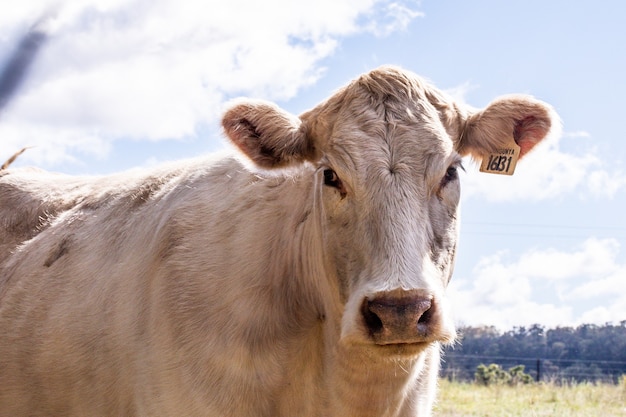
(502,161)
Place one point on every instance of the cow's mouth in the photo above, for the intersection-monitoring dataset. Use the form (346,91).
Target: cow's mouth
(402,349)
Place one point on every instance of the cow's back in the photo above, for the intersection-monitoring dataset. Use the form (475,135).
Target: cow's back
(32,200)
(79,264)
(28,199)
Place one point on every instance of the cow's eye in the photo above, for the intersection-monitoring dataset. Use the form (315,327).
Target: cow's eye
(331,179)
(452,174)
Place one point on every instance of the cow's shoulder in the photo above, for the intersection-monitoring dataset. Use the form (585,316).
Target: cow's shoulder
(31,199)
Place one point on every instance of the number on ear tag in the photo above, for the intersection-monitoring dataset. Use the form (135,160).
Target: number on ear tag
(502,161)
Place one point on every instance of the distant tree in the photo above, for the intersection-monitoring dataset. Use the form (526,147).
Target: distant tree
(479,340)
(557,349)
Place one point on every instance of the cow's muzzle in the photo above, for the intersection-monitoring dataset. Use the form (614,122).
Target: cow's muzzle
(404,317)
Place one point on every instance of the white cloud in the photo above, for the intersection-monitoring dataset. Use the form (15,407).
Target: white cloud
(583,283)
(577,134)
(606,184)
(461,91)
(160,69)
(601,287)
(548,173)
(390,17)
(594,258)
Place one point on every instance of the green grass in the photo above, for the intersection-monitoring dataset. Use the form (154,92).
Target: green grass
(545,399)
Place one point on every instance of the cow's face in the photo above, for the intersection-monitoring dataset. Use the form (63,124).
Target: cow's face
(391,194)
(388,153)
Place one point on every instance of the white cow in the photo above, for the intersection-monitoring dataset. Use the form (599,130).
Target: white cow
(306,281)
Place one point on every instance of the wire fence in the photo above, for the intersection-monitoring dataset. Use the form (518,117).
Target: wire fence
(462,367)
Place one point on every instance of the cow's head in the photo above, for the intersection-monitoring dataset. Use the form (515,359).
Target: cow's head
(388,150)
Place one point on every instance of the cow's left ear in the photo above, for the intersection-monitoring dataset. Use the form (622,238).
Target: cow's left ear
(268,135)
(520,117)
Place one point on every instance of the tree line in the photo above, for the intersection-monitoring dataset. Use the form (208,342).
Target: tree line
(585,353)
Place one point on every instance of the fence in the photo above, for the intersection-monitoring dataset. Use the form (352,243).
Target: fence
(462,367)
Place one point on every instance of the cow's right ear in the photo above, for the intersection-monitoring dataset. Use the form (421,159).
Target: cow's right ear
(269,136)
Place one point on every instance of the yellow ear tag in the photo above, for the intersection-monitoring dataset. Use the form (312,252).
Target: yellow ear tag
(502,161)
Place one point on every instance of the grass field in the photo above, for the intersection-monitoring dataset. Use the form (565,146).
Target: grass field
(544,399)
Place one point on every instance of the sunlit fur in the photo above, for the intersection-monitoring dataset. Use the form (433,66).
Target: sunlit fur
(217,287)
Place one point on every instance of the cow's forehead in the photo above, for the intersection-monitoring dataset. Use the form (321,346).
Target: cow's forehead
(389,123)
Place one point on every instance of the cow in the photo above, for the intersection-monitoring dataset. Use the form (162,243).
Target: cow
(301,273)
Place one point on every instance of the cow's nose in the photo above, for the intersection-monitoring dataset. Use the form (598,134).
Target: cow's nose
(398,318)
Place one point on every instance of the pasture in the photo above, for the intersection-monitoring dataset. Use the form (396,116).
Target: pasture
(458,399)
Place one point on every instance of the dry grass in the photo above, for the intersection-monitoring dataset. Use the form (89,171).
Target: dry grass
(12,159)
(544,399)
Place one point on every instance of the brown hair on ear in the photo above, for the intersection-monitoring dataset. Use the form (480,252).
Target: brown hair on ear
(269,136)
(525,119)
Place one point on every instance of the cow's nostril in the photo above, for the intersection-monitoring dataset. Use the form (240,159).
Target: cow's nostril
(372,321)
(426,316)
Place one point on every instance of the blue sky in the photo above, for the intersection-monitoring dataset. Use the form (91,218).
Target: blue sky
(124,84)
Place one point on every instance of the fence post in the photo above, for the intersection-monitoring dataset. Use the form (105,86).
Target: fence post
(538,370)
